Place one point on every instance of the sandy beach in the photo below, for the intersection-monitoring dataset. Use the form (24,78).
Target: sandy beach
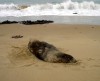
(80,41)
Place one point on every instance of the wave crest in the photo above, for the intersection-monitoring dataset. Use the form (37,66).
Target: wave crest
(8,6)
(64,8)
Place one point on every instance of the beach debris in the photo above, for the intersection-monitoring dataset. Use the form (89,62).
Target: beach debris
(75,13)
(49,53)
(92,27)
(17,36)
(28,22)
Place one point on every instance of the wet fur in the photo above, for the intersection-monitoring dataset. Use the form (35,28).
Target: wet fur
(49,53)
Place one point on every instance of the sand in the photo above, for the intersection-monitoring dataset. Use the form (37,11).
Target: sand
(80,41)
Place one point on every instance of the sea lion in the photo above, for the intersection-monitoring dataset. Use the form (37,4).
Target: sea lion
(49,53)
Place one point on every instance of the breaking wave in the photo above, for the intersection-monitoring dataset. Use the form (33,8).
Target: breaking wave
(67,8)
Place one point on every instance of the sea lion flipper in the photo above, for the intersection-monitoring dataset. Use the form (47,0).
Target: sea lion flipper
(65,58)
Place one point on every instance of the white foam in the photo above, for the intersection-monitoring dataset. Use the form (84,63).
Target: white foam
(8,6)
(67,8)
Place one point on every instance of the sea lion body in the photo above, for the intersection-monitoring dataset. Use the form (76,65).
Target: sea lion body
(49,53)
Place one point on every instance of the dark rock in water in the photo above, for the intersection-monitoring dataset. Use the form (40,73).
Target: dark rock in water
(43,21)
(8,22)
(49,53)
(20,7)
(28,22)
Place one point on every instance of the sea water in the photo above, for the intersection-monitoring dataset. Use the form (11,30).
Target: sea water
(60,11)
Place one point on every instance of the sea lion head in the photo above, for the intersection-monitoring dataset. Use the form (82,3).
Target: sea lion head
(37,48)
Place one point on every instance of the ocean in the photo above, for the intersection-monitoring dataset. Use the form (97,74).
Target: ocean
(60,11)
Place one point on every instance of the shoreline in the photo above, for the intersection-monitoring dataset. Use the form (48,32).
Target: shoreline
(71,24)
(94,20)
